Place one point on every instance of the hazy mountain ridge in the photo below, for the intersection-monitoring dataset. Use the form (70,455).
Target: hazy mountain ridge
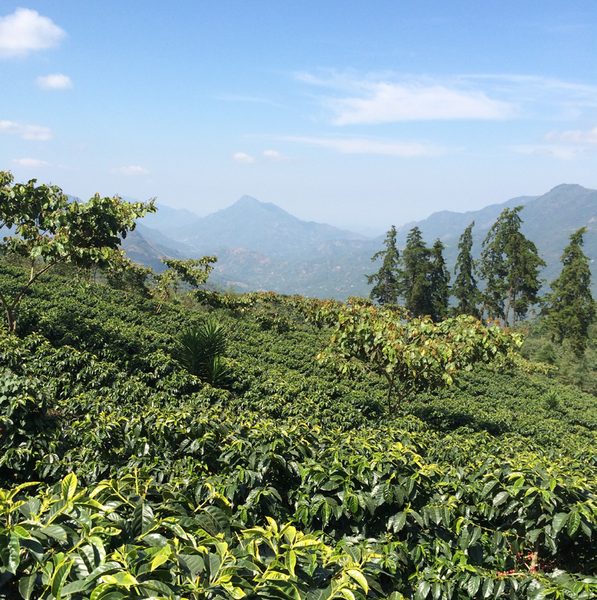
(262,247)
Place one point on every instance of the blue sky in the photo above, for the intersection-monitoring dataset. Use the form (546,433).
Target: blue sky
(359,114)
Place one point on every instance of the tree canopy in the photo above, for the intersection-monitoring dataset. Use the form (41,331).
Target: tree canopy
(385,289)
(571,308)
(510,265)
(47,229)
(465,285)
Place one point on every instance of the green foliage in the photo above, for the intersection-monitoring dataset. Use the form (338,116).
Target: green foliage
(193,272)
(414,282)
(510,265)
(385,290)
(48,229)
(465,285)
(571,308)
(414,355)
(292,482)
(130,538)
(201,350)
(439,282)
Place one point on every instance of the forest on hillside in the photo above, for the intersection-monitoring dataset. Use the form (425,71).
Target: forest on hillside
(162,441)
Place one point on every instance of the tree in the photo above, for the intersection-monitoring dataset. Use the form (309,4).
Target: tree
(439,282)
(465,285)
(510,263)
(571,308)
(193,271)
(49,229)
(385,290)
(414,355)
(414,285)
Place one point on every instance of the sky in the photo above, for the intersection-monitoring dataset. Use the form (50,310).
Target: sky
(361,114)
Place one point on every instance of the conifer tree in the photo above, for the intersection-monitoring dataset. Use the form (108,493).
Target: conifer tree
(439,282)
(465,285)
(385,290)
(414,284)
(510,264)
(571,308)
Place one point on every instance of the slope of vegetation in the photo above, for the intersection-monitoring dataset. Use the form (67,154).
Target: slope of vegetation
(124,476)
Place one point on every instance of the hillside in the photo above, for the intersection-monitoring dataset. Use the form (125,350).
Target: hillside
(287,479)
(262,247)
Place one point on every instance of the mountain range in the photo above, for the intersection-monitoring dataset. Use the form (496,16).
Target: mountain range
(260,246)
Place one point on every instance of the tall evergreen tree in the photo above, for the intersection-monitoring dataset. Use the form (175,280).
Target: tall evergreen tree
(465,285)
(414,285)
(510,263)
(439,282)
(571,308)
(385,290)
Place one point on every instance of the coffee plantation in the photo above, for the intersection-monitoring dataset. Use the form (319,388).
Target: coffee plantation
(124,475)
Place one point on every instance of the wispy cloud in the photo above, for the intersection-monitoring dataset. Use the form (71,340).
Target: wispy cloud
(31,162)
(26,132)
(370,146)
(57,81)
(380,98)
(26,30)
(275,156)
(243,157)
(565,145)
(387,103)
(374,98)
(132,170)
(576,137)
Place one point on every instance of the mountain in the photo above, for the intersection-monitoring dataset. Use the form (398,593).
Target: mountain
(257,226)
(167,217)
(262,247)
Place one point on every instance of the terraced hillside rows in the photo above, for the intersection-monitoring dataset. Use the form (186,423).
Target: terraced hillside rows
(124,476)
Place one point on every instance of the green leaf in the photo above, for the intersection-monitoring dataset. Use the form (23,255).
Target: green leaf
(59,578)
(75,587)
(21,532)
(142,519)
(122,578)
(573,523)
(397,521)
(69,486)
(290,561)
(10,552)
(500,498)
(56,531)
(472,585)
(27,585)
(359,578)
(559,521)
(422,590)
(487,588)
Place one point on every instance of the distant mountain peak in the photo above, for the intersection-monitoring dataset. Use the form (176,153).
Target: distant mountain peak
(567,186)
(248,200)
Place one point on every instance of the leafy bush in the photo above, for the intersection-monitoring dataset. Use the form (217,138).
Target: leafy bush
(201,350)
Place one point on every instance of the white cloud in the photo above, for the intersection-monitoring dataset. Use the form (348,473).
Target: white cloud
(565,145)
(57,81)
(368,146)
(580,138)
(26,132)
(31,162)
(372,98)
(26,30)
(243,157)
(275,156)
(390,102)
(132,170)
